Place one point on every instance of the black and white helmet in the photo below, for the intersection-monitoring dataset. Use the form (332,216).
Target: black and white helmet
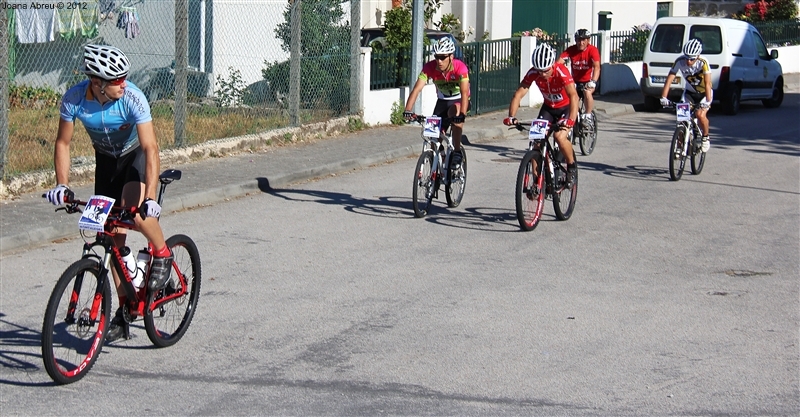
(582,34)
(693,48)
(106,62)
(543,57)
(445,46)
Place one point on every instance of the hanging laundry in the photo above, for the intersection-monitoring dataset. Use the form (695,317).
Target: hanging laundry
(73,22)
(35,25)
(129,22)
(106,9)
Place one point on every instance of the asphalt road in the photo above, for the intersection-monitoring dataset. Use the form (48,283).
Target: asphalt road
(330,298)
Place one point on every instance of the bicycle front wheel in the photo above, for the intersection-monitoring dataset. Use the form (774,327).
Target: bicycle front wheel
(698,159)
(588,134)
(423,190)
(563,197)
(75,322)
(677,153)
(530,190)
(167,316)
(458,182)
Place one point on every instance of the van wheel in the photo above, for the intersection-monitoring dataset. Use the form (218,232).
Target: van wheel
(777,95)
(734,100)
(651,103)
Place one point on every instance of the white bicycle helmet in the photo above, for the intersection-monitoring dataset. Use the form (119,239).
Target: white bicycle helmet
(693,48)
(445,46)
(106,62)
(543,57)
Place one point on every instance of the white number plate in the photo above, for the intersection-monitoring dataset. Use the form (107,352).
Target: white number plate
(683,112)
(433,127)
(538,129)
(95,213)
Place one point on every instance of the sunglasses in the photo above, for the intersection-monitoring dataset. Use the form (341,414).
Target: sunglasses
(117,81)
(441,57)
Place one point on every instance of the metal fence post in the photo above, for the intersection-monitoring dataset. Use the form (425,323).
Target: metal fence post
(181,68)
(294,66)
(4,80)
(355,57)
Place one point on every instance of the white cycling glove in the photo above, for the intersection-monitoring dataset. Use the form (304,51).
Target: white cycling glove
(149,208)
(591,84)
(60,195)
(665,102)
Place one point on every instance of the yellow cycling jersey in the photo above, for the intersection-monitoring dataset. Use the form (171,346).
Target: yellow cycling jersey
(694,74)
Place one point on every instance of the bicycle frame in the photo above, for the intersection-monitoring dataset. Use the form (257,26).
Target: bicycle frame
(550,150)
(445,140)
(123,218)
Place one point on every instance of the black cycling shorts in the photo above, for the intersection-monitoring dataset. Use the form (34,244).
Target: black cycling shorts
(441,108)
(553,115)
(111,174)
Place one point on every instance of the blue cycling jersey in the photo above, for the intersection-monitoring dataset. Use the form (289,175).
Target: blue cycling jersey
(111,126)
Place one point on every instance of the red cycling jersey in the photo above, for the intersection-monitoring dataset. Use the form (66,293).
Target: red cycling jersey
(552,89)
(582,62)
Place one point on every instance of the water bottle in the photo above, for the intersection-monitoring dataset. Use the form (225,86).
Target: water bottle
(130,264)
(142,264)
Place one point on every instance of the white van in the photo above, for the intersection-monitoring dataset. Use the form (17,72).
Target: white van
(741,67)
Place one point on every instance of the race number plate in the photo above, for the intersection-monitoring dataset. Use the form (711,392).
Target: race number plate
(433,127)
(95,213)
(538,129)
(683,112)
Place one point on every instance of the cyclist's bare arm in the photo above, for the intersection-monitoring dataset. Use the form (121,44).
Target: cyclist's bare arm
(667,83)
(572,92)
(61,158)
(149,144)
(412,97)
(516,99)
(464,86)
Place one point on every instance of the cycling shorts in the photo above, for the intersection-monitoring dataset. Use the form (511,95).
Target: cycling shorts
(579,87)
(553,114)
(111,174)
(443,106)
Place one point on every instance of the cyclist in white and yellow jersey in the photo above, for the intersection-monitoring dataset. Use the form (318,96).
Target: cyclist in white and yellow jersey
(697,76)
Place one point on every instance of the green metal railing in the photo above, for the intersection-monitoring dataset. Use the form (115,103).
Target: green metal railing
(779,33)
(627,45)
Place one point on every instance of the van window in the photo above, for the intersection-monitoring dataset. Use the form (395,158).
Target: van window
(761,49)
(668,39)
(711,36)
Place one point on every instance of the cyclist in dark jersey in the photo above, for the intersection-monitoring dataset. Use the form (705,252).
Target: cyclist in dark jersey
(451,78)
(560,100)
(116,115)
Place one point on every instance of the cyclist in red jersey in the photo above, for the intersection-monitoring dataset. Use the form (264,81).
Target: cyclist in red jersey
(584,61)
(451,78)
(560,100)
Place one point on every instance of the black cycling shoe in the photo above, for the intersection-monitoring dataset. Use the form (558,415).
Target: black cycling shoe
(118,328)
(160,271)
(455,160)
(572,175)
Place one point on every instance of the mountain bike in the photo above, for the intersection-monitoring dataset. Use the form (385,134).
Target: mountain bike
(433,167)
(584,134)
(686,141)
(78,310)
(543,174)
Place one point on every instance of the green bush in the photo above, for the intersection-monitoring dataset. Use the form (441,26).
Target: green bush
(25,97)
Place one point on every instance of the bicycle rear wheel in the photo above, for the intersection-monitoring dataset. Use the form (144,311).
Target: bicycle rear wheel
(75,322)
(530,190)
(588,135)
(564,198)
(423,190)
(677,153)
(454,191)
(698,159)
(166,319)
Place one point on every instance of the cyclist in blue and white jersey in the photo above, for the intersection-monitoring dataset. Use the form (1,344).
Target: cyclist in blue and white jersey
(116,115)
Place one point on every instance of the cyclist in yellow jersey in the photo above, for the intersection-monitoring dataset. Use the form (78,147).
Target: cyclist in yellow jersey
(697,76)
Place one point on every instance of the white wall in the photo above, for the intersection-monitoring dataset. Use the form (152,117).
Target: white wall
(625,13)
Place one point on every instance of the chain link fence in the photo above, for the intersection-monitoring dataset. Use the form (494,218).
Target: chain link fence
(232,56)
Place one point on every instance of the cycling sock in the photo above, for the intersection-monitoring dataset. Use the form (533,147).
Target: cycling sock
(163,253)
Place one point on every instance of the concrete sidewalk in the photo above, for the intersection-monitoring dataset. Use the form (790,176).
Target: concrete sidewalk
(30,220)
